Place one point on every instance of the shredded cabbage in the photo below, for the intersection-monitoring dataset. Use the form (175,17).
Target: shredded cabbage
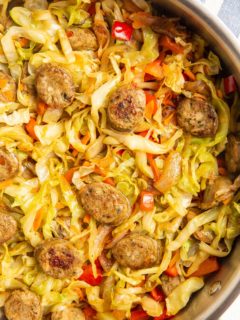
(162,172)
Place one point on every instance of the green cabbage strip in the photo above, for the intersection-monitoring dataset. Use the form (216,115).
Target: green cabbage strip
(149,51)
(192,226)
(180,296)
(136,142)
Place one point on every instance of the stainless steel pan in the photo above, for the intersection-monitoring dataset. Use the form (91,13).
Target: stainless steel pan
(203,306)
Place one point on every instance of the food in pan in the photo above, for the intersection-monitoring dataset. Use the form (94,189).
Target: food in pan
(119,161)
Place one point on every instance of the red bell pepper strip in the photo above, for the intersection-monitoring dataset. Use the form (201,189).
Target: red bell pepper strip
(163,316)
(88,276)
(122,31)
(89,313)
(139,315)
(158,294)
(230,84)
(146,201)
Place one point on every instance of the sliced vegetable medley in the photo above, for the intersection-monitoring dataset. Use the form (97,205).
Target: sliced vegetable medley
(119,161)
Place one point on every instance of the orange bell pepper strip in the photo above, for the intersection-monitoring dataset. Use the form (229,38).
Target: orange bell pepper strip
(208,266)
(30,128)
(109,181)
(151,105)
(146,201)
(86,138)
(155,69)
(38,218)
(172,269)
(88,277)
(23,42)
(69,174)
(41,108)
(154,167)
(169,44)
(190,74)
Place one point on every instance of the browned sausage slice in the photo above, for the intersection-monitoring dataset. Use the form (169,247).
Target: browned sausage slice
(105,203)
(23,305)
(59,259)
(82,39)
(197,117)
(126,108)
(137,251)
(55,85)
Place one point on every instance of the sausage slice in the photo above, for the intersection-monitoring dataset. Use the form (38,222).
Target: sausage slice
(82,39)
(105,203)
(137,251)
(8,165)
(68,314)
(23,305)
(126,108)
(55,85)
(197,117)
(8,227)
(232,154)
(59,259)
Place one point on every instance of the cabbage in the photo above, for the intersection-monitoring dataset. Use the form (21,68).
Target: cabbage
(173,76)
(48,133)
(149,51)
(180,296)
(152,307)
(192,226)
(233,226)
(138,143)
(16,118)
(93,296)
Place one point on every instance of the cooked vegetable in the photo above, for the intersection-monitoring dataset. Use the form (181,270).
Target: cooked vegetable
(146,201)
(88,276)
(171,173)
(121,31)
(230,84)
(117,132)
(208,266)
